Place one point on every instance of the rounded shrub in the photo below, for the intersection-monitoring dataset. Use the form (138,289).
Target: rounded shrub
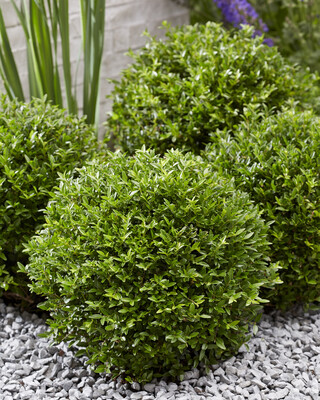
(152,264)
(202,78)
(277,162)
(37,142)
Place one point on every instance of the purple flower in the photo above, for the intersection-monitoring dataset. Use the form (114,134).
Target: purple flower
(268,42)
(240,12)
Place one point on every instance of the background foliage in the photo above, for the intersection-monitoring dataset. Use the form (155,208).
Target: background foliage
(277,162)
(293,25)
(180,91)
(295,28)
(46,28)
(37,142)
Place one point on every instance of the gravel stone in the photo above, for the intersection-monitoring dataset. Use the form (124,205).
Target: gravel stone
(219,372)
(194,374)
(139,395)
(224,379)
(67,385)
(135,386)
(87,391)
(282,361)
(227,395)
(117,396)
(287,377)
(258,383)
(149,387)
(74,393)
(231,370)
(281,394)
(26,395)
(159,391)
(53,370)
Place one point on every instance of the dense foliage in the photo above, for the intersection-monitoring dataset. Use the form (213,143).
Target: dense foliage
(152,264)
(202,78)
(295,29)
(293,26)
(277,162)
(37,142)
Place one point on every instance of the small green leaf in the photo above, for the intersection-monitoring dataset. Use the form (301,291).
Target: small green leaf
(220,343)
(100,369)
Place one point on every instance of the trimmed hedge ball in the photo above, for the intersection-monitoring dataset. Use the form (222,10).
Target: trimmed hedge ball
(152,264)
(178,92)
(37,142)
(277,162)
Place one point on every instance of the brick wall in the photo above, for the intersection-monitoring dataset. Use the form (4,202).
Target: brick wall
(125,22)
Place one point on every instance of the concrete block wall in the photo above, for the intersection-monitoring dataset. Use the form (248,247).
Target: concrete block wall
(125,22)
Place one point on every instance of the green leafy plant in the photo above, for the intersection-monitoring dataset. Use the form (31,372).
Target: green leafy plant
(37,142)
(151,264)
(294,26)
(277,162)
(178,92)
(202,11)
(45,24)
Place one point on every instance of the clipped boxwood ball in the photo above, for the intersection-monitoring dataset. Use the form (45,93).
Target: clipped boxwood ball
(37,142)
(152,264)
(179,91)
(277,162)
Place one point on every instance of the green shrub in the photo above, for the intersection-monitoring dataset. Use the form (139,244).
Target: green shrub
(178,92)
(37,142)
(294,27)
(277,162)
(152,264)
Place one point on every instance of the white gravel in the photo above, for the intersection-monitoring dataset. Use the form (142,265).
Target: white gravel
(282,362)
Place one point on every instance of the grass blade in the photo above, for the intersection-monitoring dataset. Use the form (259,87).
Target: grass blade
(8,70)
(62,11)
(41,42)
(98,43)
(93,19)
